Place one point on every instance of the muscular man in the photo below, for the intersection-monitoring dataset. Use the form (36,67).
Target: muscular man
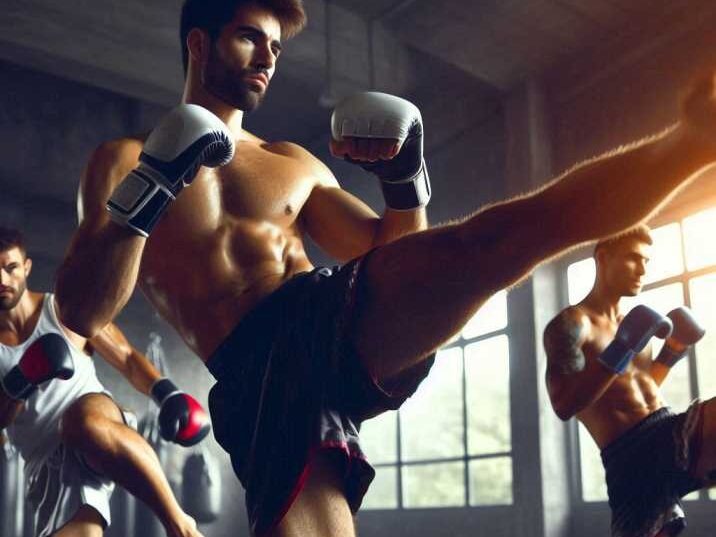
(74,438)
(600,369)
(302,355)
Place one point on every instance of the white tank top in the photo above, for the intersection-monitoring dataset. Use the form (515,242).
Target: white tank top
(35,431)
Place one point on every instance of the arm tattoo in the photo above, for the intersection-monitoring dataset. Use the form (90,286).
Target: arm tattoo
(561,342)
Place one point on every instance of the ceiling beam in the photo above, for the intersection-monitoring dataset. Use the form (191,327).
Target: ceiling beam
(132,47)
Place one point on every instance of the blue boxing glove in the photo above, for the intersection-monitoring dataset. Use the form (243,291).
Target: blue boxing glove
(687,331)
(404,178)
(188,137)
(634,332)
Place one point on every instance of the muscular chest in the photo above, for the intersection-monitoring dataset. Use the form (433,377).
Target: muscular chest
(257,185)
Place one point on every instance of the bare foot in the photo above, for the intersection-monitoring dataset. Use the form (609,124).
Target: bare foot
(184,527)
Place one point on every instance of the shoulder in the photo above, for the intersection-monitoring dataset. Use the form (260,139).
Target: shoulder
(301,155)
(108,164)
(573,316)
(112,154)
(571,326)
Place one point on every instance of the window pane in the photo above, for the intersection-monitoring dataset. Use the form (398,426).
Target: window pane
(431,421)
(594,486)
(379,438)
(383,491)
(434,485)
(491,481)
(487,367)
(703,300)
(490,317)
(698,239)
(662,299)
(676,388)
(580,278)
(666,259)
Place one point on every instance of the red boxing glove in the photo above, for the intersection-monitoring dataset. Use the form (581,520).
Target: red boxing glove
(181,418)
(47,358)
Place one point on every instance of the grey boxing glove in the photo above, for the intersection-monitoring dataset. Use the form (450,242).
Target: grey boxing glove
(186,138)
(404,178)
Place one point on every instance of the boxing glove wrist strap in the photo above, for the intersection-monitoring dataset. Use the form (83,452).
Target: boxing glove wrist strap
(163,389)
(409,194)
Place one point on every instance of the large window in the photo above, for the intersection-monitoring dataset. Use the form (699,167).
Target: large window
(450,444)
(682,271)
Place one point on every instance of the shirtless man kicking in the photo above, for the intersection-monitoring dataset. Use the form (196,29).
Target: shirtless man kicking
(303,355)
(72,435)
(600,369)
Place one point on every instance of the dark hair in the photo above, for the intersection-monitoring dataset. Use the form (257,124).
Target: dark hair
(12,238)
(212,15)
(641,233)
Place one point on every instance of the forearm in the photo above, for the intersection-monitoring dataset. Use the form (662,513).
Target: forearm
(396,224)
(616,191)
(97,277)
(141,373)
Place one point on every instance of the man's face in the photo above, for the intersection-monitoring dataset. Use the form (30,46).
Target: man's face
(625,266)
(243,58)
(14,270)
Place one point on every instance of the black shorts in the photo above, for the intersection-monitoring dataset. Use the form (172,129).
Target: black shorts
(649,469)
(289,384)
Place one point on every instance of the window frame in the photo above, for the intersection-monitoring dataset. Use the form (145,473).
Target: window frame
(465,458)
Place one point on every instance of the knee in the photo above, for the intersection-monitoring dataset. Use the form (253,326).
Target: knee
(80,428)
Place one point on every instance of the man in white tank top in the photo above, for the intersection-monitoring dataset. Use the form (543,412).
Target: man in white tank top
(74,438)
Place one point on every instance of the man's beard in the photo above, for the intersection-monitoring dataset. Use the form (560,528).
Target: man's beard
(230,86)
(9,302)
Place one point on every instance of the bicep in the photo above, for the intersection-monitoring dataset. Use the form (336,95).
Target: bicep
(107,166)
(339,223)
(563,341)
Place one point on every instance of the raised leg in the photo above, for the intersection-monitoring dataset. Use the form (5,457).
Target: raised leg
(418,291)
(86,523)
(93,426)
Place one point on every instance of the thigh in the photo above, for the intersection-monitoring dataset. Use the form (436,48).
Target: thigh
(87,416)
(87,522)
(321,509)
(704,465)
(96,406)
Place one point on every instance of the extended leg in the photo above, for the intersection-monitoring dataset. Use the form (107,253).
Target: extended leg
(419,290)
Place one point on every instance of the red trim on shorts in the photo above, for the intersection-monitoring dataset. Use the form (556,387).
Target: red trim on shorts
(301,483)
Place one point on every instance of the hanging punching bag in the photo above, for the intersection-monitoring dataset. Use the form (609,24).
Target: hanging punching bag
(201,486)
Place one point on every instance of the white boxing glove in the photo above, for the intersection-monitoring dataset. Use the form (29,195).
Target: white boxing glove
(186,138)
(404,178)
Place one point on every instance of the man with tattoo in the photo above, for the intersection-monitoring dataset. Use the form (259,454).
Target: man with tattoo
(600,369)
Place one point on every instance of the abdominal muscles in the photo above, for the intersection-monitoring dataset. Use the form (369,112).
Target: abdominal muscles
(204,285)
